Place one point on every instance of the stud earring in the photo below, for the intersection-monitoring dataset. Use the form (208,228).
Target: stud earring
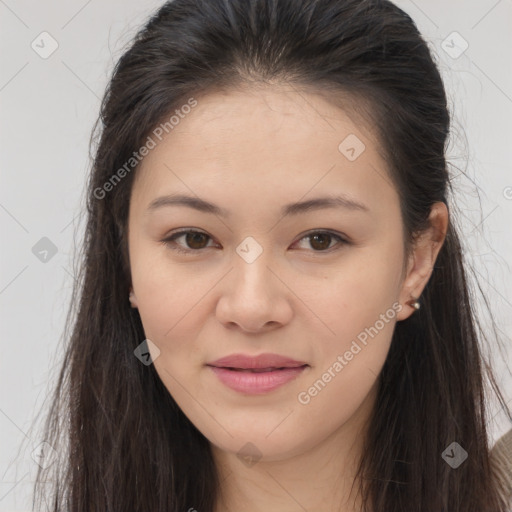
(414,303)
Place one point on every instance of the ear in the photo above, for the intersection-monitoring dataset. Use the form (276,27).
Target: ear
(133,299)
(423,257)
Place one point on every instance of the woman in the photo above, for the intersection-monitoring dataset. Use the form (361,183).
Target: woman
(273,312)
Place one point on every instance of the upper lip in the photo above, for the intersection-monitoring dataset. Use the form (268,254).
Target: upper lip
(243,361)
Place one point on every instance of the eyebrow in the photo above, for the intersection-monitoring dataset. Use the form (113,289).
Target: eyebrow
(339,201)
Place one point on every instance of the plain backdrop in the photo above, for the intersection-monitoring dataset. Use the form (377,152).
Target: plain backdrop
(49,105)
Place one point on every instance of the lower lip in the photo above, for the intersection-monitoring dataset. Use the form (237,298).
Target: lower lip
(256,383)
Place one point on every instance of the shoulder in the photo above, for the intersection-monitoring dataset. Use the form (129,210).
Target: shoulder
(501,455)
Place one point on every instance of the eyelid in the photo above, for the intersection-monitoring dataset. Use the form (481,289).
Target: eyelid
(342,239)
(169,240)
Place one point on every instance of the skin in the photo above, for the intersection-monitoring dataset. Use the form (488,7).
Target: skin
(252,151)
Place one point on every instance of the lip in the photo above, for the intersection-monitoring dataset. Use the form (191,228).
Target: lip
(245,362)
(235,372)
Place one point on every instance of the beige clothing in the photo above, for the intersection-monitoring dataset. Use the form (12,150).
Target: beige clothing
(501,455)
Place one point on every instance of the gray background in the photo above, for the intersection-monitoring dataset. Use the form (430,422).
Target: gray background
(49,106)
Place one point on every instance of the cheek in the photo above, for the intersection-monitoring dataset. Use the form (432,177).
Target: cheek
(166,292)
(360,312)
(358,297)
(174,303)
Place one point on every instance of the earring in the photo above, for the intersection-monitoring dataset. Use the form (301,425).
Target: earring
(131,298)
(414,303)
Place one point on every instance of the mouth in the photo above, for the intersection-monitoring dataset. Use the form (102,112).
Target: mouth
(258,370)
(257,381)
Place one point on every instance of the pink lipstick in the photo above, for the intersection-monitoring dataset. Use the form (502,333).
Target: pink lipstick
(256,375)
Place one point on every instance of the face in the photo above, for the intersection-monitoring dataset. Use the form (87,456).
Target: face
(321,286)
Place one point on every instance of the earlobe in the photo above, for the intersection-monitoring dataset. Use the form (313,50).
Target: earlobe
(133,300)
(414,303)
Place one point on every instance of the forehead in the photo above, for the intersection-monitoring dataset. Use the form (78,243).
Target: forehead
(266,140)
(260,112)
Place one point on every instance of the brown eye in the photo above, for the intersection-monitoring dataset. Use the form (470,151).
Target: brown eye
(195,241)
(321,241)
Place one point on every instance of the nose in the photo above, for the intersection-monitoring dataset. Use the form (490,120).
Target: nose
(254,297)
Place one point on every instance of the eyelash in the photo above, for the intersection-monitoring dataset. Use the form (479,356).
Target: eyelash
(170,240)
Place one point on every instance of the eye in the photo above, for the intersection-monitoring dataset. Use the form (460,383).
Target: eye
(193,239)
(197,240)
(321,240)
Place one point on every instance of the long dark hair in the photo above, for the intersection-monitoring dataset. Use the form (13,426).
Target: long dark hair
(122,442)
